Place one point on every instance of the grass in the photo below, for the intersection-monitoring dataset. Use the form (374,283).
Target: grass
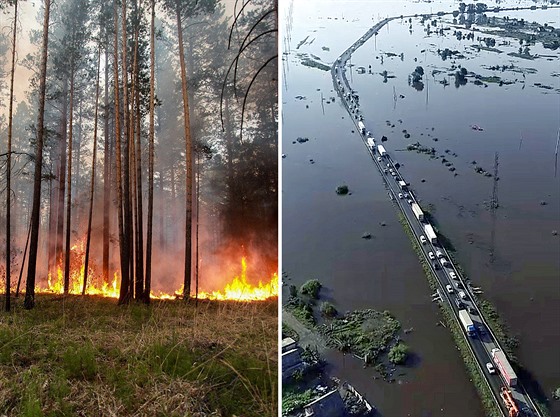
(87,356)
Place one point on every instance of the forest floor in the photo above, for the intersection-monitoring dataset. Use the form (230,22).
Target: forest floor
(87,356)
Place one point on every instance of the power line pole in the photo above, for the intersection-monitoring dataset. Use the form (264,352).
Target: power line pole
(494,204)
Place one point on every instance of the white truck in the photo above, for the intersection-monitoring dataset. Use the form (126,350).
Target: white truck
(504,366)
(417,211)
(430,233)
(362,127)
(467,322)
(381,150)
(371,144)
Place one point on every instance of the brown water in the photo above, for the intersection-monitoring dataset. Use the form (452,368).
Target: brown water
(322,231)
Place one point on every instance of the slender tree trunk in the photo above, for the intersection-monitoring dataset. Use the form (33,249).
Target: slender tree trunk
(69,184)
(93,162)
(29,302)
(124,294)
(148,282)
(127,243)
(188,153)
(61,178)
(106,164)
(9,167)
(139,277)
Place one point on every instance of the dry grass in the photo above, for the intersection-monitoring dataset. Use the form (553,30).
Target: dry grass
(85,356)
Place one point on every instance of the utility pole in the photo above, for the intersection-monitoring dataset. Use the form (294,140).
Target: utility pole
(494,204)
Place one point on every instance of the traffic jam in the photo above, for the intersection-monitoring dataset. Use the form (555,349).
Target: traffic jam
(491,358)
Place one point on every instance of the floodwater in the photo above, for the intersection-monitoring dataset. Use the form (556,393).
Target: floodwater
(322,231)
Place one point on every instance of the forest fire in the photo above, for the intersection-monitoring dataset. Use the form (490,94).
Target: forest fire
(238,289)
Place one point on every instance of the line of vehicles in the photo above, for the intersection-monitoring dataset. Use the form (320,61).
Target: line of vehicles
(499,362)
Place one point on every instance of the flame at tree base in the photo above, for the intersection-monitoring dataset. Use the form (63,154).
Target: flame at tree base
(239,289)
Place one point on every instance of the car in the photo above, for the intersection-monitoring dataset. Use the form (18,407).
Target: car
(463,295)
(405,195)
(460,304)
(453,275)
(431,256)
(378,159)
(439,254)
(423,240)
(460,285)
(409,201)
(444,262)
(449,289)
(473,311)
(385,170)
(481,329)
(436,265)
(394,174)
(388,165)
(400,195)
(490,367)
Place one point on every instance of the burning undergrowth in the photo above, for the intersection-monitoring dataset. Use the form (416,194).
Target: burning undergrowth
(234,273)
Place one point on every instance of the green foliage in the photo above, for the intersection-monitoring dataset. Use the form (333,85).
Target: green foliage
(311,288)
(79,362)
(303,312)
(363,332)
(398,353)
(292,401)
(328,310)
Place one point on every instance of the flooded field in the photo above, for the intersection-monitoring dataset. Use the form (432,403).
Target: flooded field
(515,115)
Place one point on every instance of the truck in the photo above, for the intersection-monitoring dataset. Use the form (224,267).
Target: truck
(381,150)
(417,212)
(509,402)
(430,234)
(504,367)
(403,185)
(467,322)
(371,144)
(362,127)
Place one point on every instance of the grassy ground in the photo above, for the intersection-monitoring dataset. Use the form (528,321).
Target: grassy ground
(87,356)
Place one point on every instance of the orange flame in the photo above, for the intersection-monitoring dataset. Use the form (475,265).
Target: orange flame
(238,289)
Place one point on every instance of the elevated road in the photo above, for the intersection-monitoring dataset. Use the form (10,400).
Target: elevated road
(453,289)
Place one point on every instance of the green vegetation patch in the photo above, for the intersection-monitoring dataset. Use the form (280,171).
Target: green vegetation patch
(398,353)
(365,333)
(311,288)
(293,401)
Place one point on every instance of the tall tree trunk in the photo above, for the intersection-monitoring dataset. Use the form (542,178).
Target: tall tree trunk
(9,167)
(188,153)
(148,281)
(124,294)
(29,301)
(139,277)
(69,184)
(127,243)
(62,177)
(93,162)
(106,164)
